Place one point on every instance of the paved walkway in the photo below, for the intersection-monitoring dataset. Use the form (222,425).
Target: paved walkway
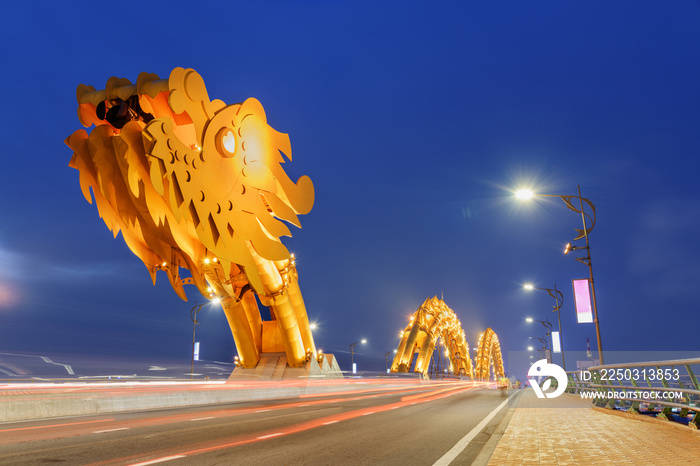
(567,431)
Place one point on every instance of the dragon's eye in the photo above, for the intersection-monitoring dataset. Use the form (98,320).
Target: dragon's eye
(227,142)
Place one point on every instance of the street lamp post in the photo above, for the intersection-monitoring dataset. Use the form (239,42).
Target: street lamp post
(545,345)
(582,234)
(559,301)
(352,351)
(386,358)
(545,323)
(193,315)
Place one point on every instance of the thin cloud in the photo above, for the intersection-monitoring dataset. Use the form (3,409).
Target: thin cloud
(12,264)
(12,269)
(80,271)
(19,272)
(9,295)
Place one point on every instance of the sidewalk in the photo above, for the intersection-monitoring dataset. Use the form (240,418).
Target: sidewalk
(568,431)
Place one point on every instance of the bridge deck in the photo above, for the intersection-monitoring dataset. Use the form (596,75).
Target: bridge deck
(567,431)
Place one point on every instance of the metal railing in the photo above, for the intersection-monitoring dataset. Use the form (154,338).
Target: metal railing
(97,379)
(668,390)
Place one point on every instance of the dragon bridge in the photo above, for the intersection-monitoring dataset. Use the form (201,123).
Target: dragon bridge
(488,357)
(196,184)
(434,321)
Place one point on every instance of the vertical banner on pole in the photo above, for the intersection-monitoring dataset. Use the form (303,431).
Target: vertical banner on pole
(556,342)
(582,298)
(196,351)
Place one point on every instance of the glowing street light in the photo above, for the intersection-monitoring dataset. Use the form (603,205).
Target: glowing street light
(526,194)
(545,323)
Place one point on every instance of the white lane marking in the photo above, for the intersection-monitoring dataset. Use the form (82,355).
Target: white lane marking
(261,410)
(366,414)
(202,418)
(159,460)
(462,444)
(110,430)
(303,405)
(396,407)
(329,422)
(272,435)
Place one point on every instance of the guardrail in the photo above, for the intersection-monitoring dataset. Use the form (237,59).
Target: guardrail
(668,389)
(144,378)
(100,380)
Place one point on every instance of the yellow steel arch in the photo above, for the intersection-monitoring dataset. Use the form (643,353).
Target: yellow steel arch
(489,355)
(432,321)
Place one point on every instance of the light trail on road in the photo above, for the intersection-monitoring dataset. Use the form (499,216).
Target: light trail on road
(158,436)
(17,429)
(337,398)
(433,395)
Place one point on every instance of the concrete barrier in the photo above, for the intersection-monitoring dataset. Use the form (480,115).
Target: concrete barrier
(22,403)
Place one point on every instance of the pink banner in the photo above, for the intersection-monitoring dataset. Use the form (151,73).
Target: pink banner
(582,297)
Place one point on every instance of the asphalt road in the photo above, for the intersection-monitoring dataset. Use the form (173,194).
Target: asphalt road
(404,426)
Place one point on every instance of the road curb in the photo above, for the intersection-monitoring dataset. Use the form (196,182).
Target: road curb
(485,454)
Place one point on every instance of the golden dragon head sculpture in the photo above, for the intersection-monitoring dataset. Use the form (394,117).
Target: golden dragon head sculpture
(192,183)
(188,179)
